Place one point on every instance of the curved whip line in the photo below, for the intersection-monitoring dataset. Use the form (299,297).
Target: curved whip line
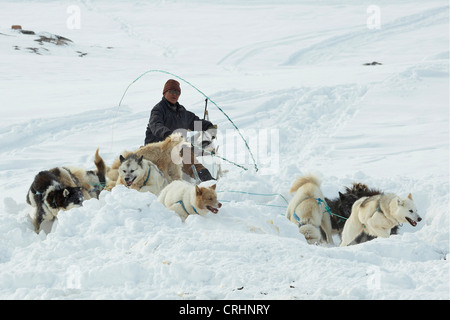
(199,91)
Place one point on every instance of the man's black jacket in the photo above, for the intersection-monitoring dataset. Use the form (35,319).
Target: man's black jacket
(166,118)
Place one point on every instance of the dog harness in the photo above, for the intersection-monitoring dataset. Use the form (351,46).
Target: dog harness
(146,179)
(184,208)
(296,217)
(148,176)
(378,210)
(320,202)
(45,204)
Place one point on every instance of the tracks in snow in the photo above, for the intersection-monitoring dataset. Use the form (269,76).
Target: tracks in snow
(331,44)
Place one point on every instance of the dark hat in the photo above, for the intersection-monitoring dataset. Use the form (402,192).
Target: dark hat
(171,85)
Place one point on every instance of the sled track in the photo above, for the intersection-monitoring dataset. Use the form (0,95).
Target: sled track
(38,131)
(331,46)
(310,113)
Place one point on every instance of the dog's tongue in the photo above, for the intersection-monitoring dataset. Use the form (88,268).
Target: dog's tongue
(129,183)
(213,210)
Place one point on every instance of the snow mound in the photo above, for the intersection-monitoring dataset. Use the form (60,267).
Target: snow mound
(128,240)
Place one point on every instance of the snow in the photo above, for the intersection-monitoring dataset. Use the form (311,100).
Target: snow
(290,75)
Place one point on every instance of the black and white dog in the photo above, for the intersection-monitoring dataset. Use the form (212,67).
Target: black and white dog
(48,196)
(63,188)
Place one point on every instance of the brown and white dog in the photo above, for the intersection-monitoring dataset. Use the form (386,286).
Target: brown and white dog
(187,199)
(91,182)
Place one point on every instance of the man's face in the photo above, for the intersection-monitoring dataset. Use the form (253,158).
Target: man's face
(172,96)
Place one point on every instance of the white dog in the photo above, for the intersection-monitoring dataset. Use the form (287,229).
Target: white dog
(305,209)
(187,199)
(140,174)
(377,215)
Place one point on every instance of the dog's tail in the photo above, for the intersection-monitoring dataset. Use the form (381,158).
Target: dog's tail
(101,168)
(303,180)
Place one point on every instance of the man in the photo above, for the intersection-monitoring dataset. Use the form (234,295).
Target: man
(167,116)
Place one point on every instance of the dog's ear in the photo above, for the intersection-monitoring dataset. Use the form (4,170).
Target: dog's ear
(66,193)
(410,196)
(213,187)
(140,159)
(198,191)
(341,196)
(122,159)
(400,202)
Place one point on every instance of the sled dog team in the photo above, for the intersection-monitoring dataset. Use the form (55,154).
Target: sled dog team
(150,168)
(359,214)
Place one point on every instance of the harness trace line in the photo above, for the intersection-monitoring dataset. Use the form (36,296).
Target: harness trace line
(100,187)
(199,91)
(258,194)
(215,155)
(320,202)
(327,209)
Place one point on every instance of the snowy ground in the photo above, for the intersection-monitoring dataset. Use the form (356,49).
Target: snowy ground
(290,74)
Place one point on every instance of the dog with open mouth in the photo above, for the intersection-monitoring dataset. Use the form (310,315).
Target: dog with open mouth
(140,174)
(162,154)
(377,215)
(341,208)
(187,199)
